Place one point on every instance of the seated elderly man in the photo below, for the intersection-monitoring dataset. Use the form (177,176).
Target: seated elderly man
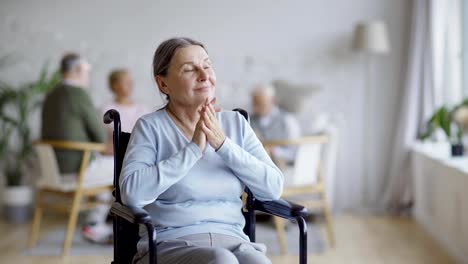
(69,114)
(271,123)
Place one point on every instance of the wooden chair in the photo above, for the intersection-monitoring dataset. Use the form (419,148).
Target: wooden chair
(70,186)
(305,179)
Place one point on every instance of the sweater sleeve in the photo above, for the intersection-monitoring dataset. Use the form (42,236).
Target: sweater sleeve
(143,178)
(252,165)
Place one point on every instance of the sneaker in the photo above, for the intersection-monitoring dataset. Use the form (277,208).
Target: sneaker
(98,233)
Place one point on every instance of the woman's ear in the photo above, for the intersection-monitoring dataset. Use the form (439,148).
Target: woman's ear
(162,84)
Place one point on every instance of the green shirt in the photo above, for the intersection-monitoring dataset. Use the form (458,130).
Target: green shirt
(68,114)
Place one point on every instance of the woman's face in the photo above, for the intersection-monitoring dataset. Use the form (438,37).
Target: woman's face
(190,78)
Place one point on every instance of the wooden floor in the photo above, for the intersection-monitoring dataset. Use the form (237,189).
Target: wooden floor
(360,239)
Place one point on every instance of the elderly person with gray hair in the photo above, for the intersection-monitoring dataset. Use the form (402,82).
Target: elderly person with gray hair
(188,163)
(271,123)
(68,114)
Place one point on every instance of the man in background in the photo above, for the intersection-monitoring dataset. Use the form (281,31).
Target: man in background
(68,114)
(271,123)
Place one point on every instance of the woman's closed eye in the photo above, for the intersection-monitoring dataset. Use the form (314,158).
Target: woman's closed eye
(189,69)
(207,64)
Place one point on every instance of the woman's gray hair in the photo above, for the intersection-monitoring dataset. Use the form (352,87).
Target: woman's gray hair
(166,50)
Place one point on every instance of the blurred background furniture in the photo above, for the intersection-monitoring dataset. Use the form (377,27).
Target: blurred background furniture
(305,181)
(371,39)
(68,186)
(439,186)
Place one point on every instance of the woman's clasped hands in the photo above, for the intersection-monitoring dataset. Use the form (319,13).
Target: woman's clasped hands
(208,129)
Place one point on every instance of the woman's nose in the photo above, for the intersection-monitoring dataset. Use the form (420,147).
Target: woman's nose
(203,75)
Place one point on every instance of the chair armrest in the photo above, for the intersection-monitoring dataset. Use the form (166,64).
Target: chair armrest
(136,215)
(281,208)
(73,145)
(319,139)
(132,214)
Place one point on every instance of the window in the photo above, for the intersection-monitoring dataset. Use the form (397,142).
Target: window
(447,47)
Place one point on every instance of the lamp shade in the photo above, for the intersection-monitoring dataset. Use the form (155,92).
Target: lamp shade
(371,37)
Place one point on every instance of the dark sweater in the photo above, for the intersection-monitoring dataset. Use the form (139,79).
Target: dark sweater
(68,114)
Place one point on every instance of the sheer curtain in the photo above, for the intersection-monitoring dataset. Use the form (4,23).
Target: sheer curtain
(417,105)
(433,79)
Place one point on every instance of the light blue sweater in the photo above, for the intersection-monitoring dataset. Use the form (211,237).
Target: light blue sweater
(187,191)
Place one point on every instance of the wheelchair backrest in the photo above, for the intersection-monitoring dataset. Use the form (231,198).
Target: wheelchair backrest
(121,139)
(124,229)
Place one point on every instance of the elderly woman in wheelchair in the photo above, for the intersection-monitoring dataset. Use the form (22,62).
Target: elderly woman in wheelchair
(188,164)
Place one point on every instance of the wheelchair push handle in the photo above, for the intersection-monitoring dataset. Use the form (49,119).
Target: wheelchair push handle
(111,115)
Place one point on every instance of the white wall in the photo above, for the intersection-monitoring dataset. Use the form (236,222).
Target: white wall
(305,41)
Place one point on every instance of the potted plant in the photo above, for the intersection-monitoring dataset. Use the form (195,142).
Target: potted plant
(16,106)
(453,123)
(460,117)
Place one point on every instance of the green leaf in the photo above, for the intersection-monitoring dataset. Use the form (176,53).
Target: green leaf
(445,122)
(440,119)
(428,133)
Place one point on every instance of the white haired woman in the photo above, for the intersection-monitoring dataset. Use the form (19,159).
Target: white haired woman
(188,164)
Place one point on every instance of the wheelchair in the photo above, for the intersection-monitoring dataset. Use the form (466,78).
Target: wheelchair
(127,219)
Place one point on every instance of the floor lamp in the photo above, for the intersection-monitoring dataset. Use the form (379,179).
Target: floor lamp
(371,39)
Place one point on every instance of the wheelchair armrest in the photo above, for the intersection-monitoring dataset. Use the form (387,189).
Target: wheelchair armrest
(281,208)
(132,214)
(136,215)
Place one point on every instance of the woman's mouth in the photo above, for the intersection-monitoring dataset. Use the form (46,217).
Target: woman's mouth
(202,89)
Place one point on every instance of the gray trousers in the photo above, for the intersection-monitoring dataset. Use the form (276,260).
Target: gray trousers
(208,248)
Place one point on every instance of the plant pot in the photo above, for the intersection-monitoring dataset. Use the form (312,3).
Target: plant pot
(457,150)
(17,203)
